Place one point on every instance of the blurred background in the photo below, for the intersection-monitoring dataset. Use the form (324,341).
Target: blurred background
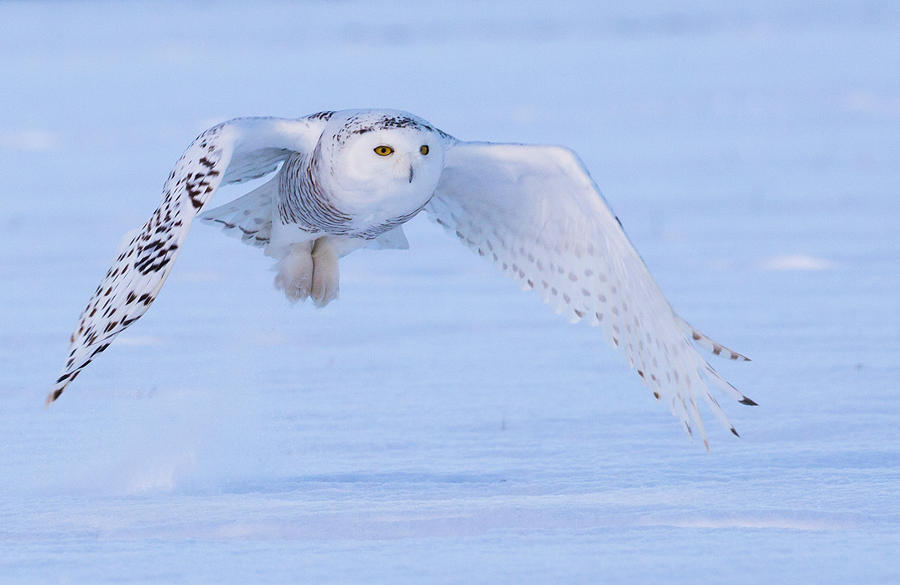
(435,424)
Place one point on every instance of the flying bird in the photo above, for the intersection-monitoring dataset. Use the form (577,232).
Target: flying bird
(348,179)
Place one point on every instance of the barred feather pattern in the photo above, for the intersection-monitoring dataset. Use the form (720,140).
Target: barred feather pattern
(249,217)
(303,203)
(134,279)
(145,259)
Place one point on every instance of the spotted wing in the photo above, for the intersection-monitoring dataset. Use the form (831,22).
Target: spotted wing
(537,214)
(230,152)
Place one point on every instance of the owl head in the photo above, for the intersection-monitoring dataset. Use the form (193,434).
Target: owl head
(383,154)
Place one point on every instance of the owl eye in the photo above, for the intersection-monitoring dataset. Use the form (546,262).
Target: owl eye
(383,150)
(423,149)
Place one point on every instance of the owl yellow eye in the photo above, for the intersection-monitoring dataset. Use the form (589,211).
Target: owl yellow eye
(383,150)
(423,149)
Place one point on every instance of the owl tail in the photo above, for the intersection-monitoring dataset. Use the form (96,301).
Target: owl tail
(249,217)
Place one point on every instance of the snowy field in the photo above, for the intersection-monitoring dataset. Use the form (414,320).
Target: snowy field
(437,425)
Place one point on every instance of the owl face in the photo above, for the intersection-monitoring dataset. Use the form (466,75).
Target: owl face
(384,156)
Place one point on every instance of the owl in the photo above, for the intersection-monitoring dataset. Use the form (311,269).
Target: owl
(348,179)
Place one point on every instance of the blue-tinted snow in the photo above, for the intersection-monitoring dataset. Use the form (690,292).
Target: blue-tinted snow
(436,425)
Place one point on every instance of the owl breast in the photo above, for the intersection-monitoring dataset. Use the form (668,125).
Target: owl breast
(308,201)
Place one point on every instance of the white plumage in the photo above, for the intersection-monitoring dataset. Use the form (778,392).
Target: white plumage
(352,178)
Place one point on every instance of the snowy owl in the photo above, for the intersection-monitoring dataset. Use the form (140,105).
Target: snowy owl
(347,179)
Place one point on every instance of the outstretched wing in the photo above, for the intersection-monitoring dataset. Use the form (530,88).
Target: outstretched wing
(234,151)
(537,214)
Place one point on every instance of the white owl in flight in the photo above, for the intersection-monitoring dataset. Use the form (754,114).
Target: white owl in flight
(351,178)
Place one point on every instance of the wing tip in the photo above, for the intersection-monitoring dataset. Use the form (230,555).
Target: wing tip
(61,384)
(709,344)
(52,396)
(748,401)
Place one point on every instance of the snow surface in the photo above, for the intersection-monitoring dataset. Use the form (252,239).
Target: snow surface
(436,425)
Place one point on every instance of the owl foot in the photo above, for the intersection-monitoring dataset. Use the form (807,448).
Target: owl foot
(295,272)
(325,276)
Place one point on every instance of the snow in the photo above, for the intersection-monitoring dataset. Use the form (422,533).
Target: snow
(436,425)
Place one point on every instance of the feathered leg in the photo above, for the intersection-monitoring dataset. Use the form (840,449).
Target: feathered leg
(326,275)
(295,272)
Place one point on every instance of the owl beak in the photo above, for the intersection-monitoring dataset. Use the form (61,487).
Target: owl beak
(411,173)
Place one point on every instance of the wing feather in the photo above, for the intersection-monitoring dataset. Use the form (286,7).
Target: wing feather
(233,151)
(535,212)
